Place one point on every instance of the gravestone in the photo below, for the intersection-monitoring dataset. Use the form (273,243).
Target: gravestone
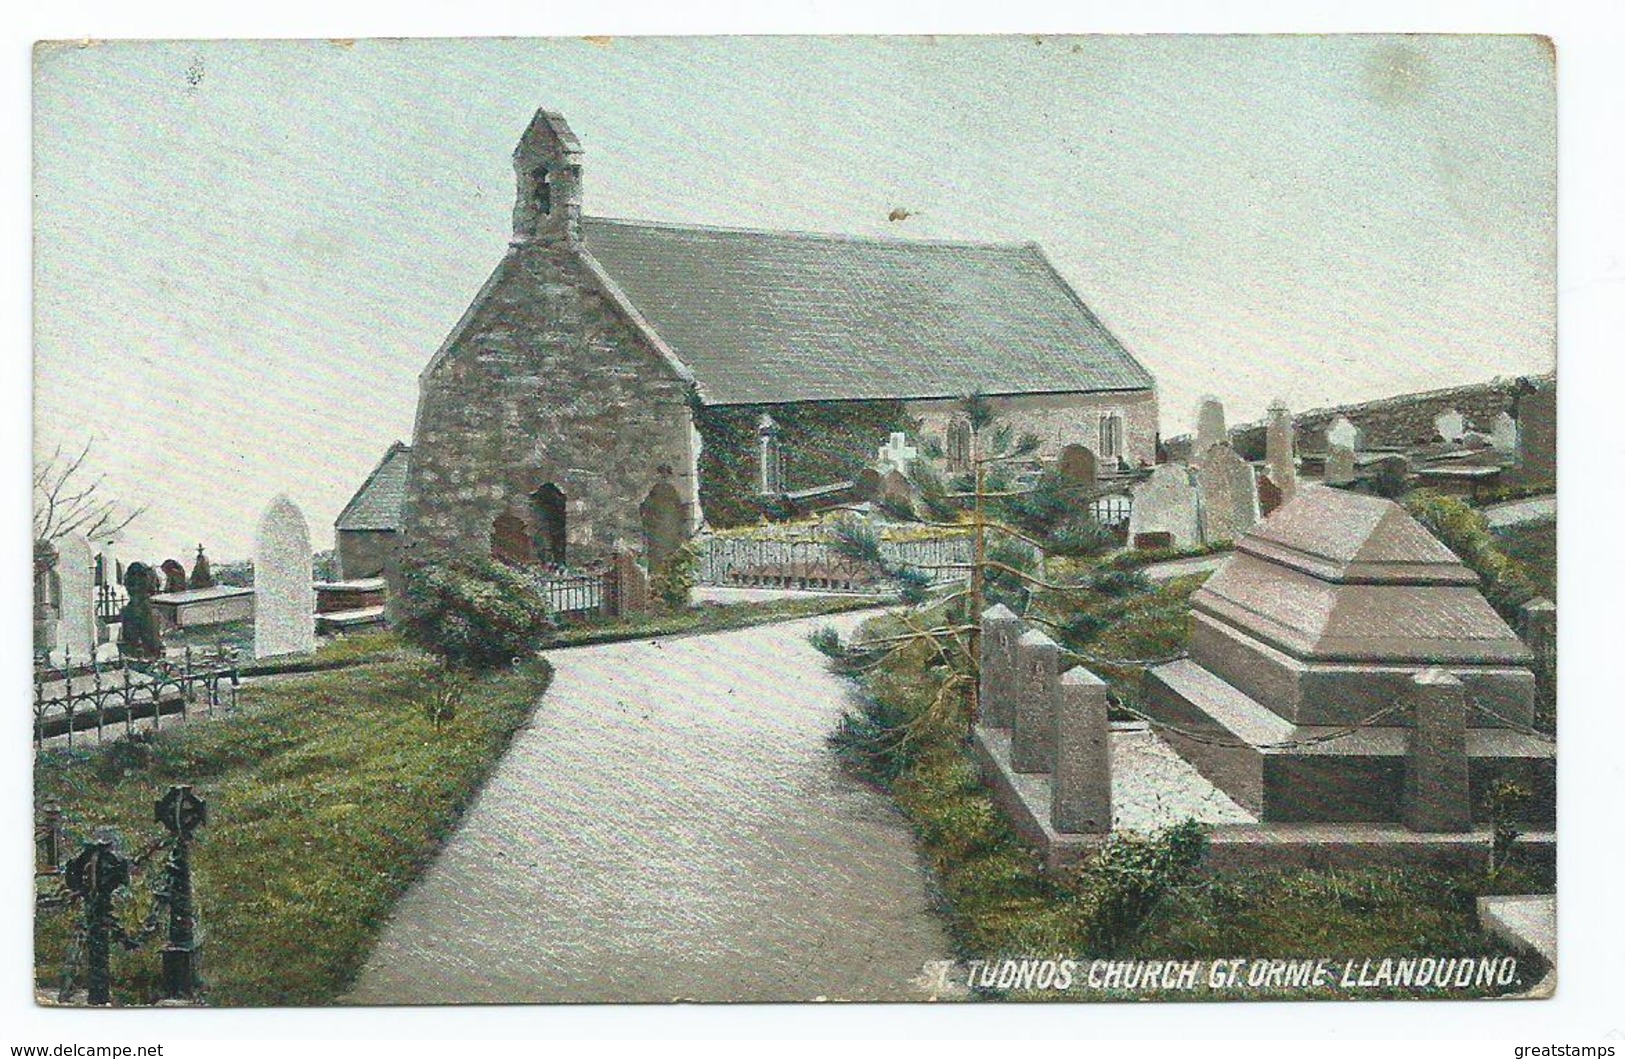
(896,487)
(174,575)
(869,484)
(1077,467)
(1339,453)
(665,524)
(1210,428)
(631,583)
(1343,434)
(1165,504)
(1278,454)
(76,580)
(1504,434)
(202,574)
(284,589)
(1450,425)
(1228,494)
(896,455)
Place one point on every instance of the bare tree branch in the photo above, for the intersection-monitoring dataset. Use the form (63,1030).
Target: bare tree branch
(65,502)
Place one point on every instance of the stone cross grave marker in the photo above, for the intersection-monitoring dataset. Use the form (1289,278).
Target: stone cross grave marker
(897,454)
(1210,428)
(1166,503)
(284,590)
(1451,425)
(1228,491)
(76,577)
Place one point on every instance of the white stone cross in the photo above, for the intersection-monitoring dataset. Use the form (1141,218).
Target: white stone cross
(897,454)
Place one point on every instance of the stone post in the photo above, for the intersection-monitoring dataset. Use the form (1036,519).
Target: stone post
(1278,451)
(1436,793)
(1032,740)
(1081,802)
(996,693)
(1540,624)
(629,582)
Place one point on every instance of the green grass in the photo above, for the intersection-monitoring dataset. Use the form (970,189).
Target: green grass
(327,793)
(997,899)
(707,617)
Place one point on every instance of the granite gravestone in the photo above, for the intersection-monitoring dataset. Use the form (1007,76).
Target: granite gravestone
(1451,425)
(284,589)
(1078,469)
(1165,503)
(1504,434)
(1228,493)
(1341,441)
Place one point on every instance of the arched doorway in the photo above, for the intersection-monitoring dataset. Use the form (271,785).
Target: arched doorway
(665,524)
(547,509)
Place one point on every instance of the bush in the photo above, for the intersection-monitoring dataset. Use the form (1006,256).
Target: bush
(1130,877)
(473,613)
(673,580)
(1504,581)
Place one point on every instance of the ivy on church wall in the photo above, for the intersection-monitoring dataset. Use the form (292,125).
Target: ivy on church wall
(821,442)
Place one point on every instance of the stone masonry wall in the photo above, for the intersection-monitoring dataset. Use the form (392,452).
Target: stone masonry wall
(1059,420)
(545,382)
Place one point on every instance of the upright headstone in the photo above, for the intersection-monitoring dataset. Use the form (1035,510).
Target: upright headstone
(1210,429)
(1450,425)
(202,573)
(631,583)
(284,589)
(1341,441)
(1269,496)
(76,579)
(1504,434)
(1343,434)
(174,575)
(1165,503)
(1032,737)
(1081,792)
(869,485)
(896,487)
(1279,457)
(1228,491)
(1436,787)
(1077,467)
(996,691)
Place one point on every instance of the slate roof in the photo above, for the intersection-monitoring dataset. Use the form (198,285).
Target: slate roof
(775,317)
(377,504)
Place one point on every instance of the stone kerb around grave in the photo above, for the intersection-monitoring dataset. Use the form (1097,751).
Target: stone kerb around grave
(1032,738)
(996,691)
(1081,791)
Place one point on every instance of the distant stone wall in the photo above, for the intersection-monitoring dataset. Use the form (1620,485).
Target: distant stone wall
(1407,420)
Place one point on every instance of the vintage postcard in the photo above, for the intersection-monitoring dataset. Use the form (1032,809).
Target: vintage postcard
(730,519)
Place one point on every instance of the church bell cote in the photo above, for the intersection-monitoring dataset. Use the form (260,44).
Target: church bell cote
(547,168)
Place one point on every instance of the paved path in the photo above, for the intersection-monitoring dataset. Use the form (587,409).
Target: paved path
(1515,512)
(672,825)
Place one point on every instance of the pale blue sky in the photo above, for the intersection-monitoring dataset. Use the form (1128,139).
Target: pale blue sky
(245,252)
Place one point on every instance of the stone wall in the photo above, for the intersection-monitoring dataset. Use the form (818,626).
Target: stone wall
(367,553)
(1406,421)
(1058,420)
(546,380)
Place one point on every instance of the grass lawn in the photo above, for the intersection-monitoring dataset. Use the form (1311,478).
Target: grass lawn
(999,902)
(328,793)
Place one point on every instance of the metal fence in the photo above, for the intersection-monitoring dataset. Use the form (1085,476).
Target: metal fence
(78,698)
(813,562)
(573,595)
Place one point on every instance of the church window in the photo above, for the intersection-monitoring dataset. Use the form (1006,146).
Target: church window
(542,190)
(770,457)
(1111,435)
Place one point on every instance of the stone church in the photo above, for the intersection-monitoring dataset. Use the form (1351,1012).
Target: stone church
(566,411)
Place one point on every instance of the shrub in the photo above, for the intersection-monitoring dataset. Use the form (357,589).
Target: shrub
(473,613)
(1130,877)
(1505,582)
(675,577)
